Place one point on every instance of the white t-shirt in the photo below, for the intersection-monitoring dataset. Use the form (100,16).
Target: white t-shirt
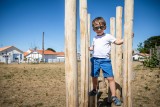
(102,45)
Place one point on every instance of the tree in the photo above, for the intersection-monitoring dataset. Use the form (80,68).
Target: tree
(151,43)
(141,48)
(51,49)
(152,61)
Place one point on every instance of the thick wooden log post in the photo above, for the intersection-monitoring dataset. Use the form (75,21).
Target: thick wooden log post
(113,53)
(92,99)
(127,54)
(87,66)
(89,35)
(118,51)
(71,54)
(84,73)
(113,48)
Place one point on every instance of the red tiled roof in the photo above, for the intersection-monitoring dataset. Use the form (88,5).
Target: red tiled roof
(46,52)
(25,53)
(60,53)
(4,48)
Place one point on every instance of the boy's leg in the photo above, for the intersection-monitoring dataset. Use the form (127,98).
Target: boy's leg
(112,85)
(95,82)
(95,69)
(108,73)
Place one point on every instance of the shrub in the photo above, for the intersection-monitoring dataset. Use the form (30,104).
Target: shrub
(152,62)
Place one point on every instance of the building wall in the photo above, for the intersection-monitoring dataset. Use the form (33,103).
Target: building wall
(49,58)
(34,57)
(59,59)
(138,58)
(135,57)
(11,55)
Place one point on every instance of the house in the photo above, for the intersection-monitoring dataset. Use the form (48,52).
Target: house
(36,55)
(140,56)
(60,57)
(49,56)
(11,54)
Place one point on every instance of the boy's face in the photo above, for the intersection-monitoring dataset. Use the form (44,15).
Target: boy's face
(99,28)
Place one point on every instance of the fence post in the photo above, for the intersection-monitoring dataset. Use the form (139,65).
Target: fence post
(113,53)
(84,73)
(127,68)
(113,48)
(118,71)
(89,69)
(71,72)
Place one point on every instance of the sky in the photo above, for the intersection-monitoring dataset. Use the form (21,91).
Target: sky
(22,22)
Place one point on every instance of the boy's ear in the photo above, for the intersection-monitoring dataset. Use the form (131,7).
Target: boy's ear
(105,27)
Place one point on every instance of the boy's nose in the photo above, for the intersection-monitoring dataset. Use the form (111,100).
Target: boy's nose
(99,28)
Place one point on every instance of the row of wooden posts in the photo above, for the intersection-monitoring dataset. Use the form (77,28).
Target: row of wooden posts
(71,70)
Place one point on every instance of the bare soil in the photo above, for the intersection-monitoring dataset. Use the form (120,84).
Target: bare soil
(146,86)
(43,85)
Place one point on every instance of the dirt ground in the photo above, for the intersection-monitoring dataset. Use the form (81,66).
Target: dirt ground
(146,86)
(43,85)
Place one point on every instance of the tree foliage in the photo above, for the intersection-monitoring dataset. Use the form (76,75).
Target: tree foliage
(141,48)
(51,49)
(150,43)
(153,61)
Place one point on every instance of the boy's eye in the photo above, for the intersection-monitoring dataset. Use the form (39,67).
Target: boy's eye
(98,27)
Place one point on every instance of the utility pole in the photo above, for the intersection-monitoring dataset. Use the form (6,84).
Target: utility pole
(43,47)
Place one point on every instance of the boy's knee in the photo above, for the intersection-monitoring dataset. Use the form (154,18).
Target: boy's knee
(110,79)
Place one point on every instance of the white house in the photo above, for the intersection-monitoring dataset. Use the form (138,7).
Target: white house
(36,56)
(60,57)
(140,56)
(11,54)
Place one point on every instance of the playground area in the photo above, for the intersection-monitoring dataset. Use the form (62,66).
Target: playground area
(43,85)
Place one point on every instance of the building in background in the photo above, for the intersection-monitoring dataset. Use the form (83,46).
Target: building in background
(140,56)
(10,54)
(35,56)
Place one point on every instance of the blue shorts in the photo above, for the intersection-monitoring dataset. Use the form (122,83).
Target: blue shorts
(101,63)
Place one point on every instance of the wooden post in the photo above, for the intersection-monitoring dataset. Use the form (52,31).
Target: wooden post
(84,73)
(127,55)
(113,49)
(92,99)
(89,69)
(118,51)
(71,71)
(113,53)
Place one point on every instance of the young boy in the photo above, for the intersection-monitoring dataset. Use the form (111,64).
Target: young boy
(101,48)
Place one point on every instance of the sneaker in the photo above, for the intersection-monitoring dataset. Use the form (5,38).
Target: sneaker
(116,101)
(93,92)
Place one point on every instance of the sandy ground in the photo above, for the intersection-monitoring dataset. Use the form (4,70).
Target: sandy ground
(43,85)
(146,87)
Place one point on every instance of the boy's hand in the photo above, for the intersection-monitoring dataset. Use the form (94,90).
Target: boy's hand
(118,42)
(90,48)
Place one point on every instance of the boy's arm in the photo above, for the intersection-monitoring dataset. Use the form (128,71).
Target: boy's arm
(118,41)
